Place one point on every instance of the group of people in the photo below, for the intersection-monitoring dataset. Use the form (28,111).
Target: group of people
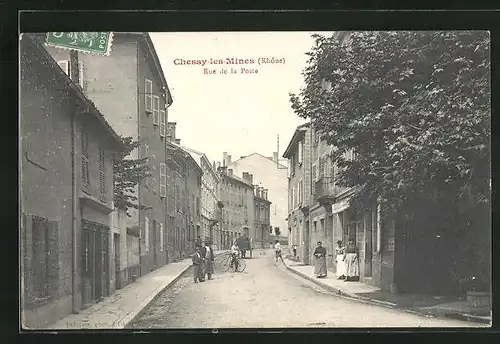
(203,262)
(346,259)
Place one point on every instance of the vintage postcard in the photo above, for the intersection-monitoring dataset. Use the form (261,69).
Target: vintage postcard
(255,180)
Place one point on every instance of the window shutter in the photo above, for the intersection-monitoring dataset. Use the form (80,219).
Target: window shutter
(156,109)
(85,159)
(81,74)
(314,174)
(148,98)
(146,234)
(102,173)
(301,151)
(53,258)
(163,124)
(163,180)
(162,243)
(64,64)
(289,168)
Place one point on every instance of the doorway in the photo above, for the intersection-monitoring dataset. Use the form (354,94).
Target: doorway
(116,249)
(155,240)
(368,243)
(306,242)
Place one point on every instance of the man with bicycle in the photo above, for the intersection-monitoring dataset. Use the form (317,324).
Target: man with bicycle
(235,250)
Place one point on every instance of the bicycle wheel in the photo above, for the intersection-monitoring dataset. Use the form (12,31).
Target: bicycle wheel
(240,267)
(224,265)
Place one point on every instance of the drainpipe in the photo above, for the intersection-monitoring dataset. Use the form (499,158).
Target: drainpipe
(74,192)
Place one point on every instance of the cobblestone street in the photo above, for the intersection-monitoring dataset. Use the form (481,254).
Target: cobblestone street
(265,295)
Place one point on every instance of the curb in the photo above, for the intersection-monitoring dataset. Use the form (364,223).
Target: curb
(444,314)
(132,316)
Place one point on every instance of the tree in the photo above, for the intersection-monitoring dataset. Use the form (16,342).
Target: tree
(277,231)
(415,108)
(127,174)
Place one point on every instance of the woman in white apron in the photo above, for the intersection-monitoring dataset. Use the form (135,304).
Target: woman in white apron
(339,260)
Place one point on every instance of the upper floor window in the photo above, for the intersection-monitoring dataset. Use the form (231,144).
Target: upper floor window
(156,110)
(148,95)
(85,160)
(102,173)
(163,179)
(163,123)
(65,66)
(301,152)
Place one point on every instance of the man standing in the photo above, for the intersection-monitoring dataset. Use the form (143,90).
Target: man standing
(203,253)
(197,266)
(277,248)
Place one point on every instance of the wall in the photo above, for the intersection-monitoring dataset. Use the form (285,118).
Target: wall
(265,172)
(45,178)
(149,192)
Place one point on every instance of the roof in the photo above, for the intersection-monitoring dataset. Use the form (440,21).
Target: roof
(238,179)
(199,156)
(265,157)
(297,136)
(263,200)
(186,155)
(64,78)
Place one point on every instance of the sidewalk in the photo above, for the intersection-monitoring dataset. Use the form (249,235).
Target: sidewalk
(441,307)
(120,308)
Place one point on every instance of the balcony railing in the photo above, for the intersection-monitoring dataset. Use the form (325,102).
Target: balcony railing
(325,189)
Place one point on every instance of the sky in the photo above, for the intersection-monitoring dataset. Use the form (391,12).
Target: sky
(235,113)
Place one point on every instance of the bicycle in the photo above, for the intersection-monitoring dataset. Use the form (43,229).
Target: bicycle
(238,266)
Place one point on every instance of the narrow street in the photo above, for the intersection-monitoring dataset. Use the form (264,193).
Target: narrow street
(266,296)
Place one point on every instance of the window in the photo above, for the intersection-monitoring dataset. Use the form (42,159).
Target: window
(41,269)
(163,123)
(301,152)
(85,160)
(148,97)
(102,173)
(153,172)
(163,180)
(162,243)
(293,164)
(321,170)
(314,173)
(156,110)
(81,74)
(146,234)
(64,64)
(301,192)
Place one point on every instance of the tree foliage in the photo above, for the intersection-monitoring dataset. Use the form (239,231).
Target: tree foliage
(414,106)
(127,174)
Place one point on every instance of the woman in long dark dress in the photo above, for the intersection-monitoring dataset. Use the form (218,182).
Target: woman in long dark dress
(198,273)
(352,261)
(320,262)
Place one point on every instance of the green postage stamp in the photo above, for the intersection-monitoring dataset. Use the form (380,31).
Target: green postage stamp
(88,42)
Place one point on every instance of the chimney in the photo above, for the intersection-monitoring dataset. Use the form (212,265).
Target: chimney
(230,172)
(178,141)
(171,130)
(275,156)
(224,159)
(228,160)
(246,176)
(265,193)
(250,178)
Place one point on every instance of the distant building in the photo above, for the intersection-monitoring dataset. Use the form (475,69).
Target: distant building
(59,212)
(129,87)
(211,213)
(183,202)
(262,218)
(237,196)
(270,173)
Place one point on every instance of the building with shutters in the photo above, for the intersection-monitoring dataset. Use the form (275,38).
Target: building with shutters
(269,172)
(211,208)
(262,209)
(130,88)
(184,182)
(66,173)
